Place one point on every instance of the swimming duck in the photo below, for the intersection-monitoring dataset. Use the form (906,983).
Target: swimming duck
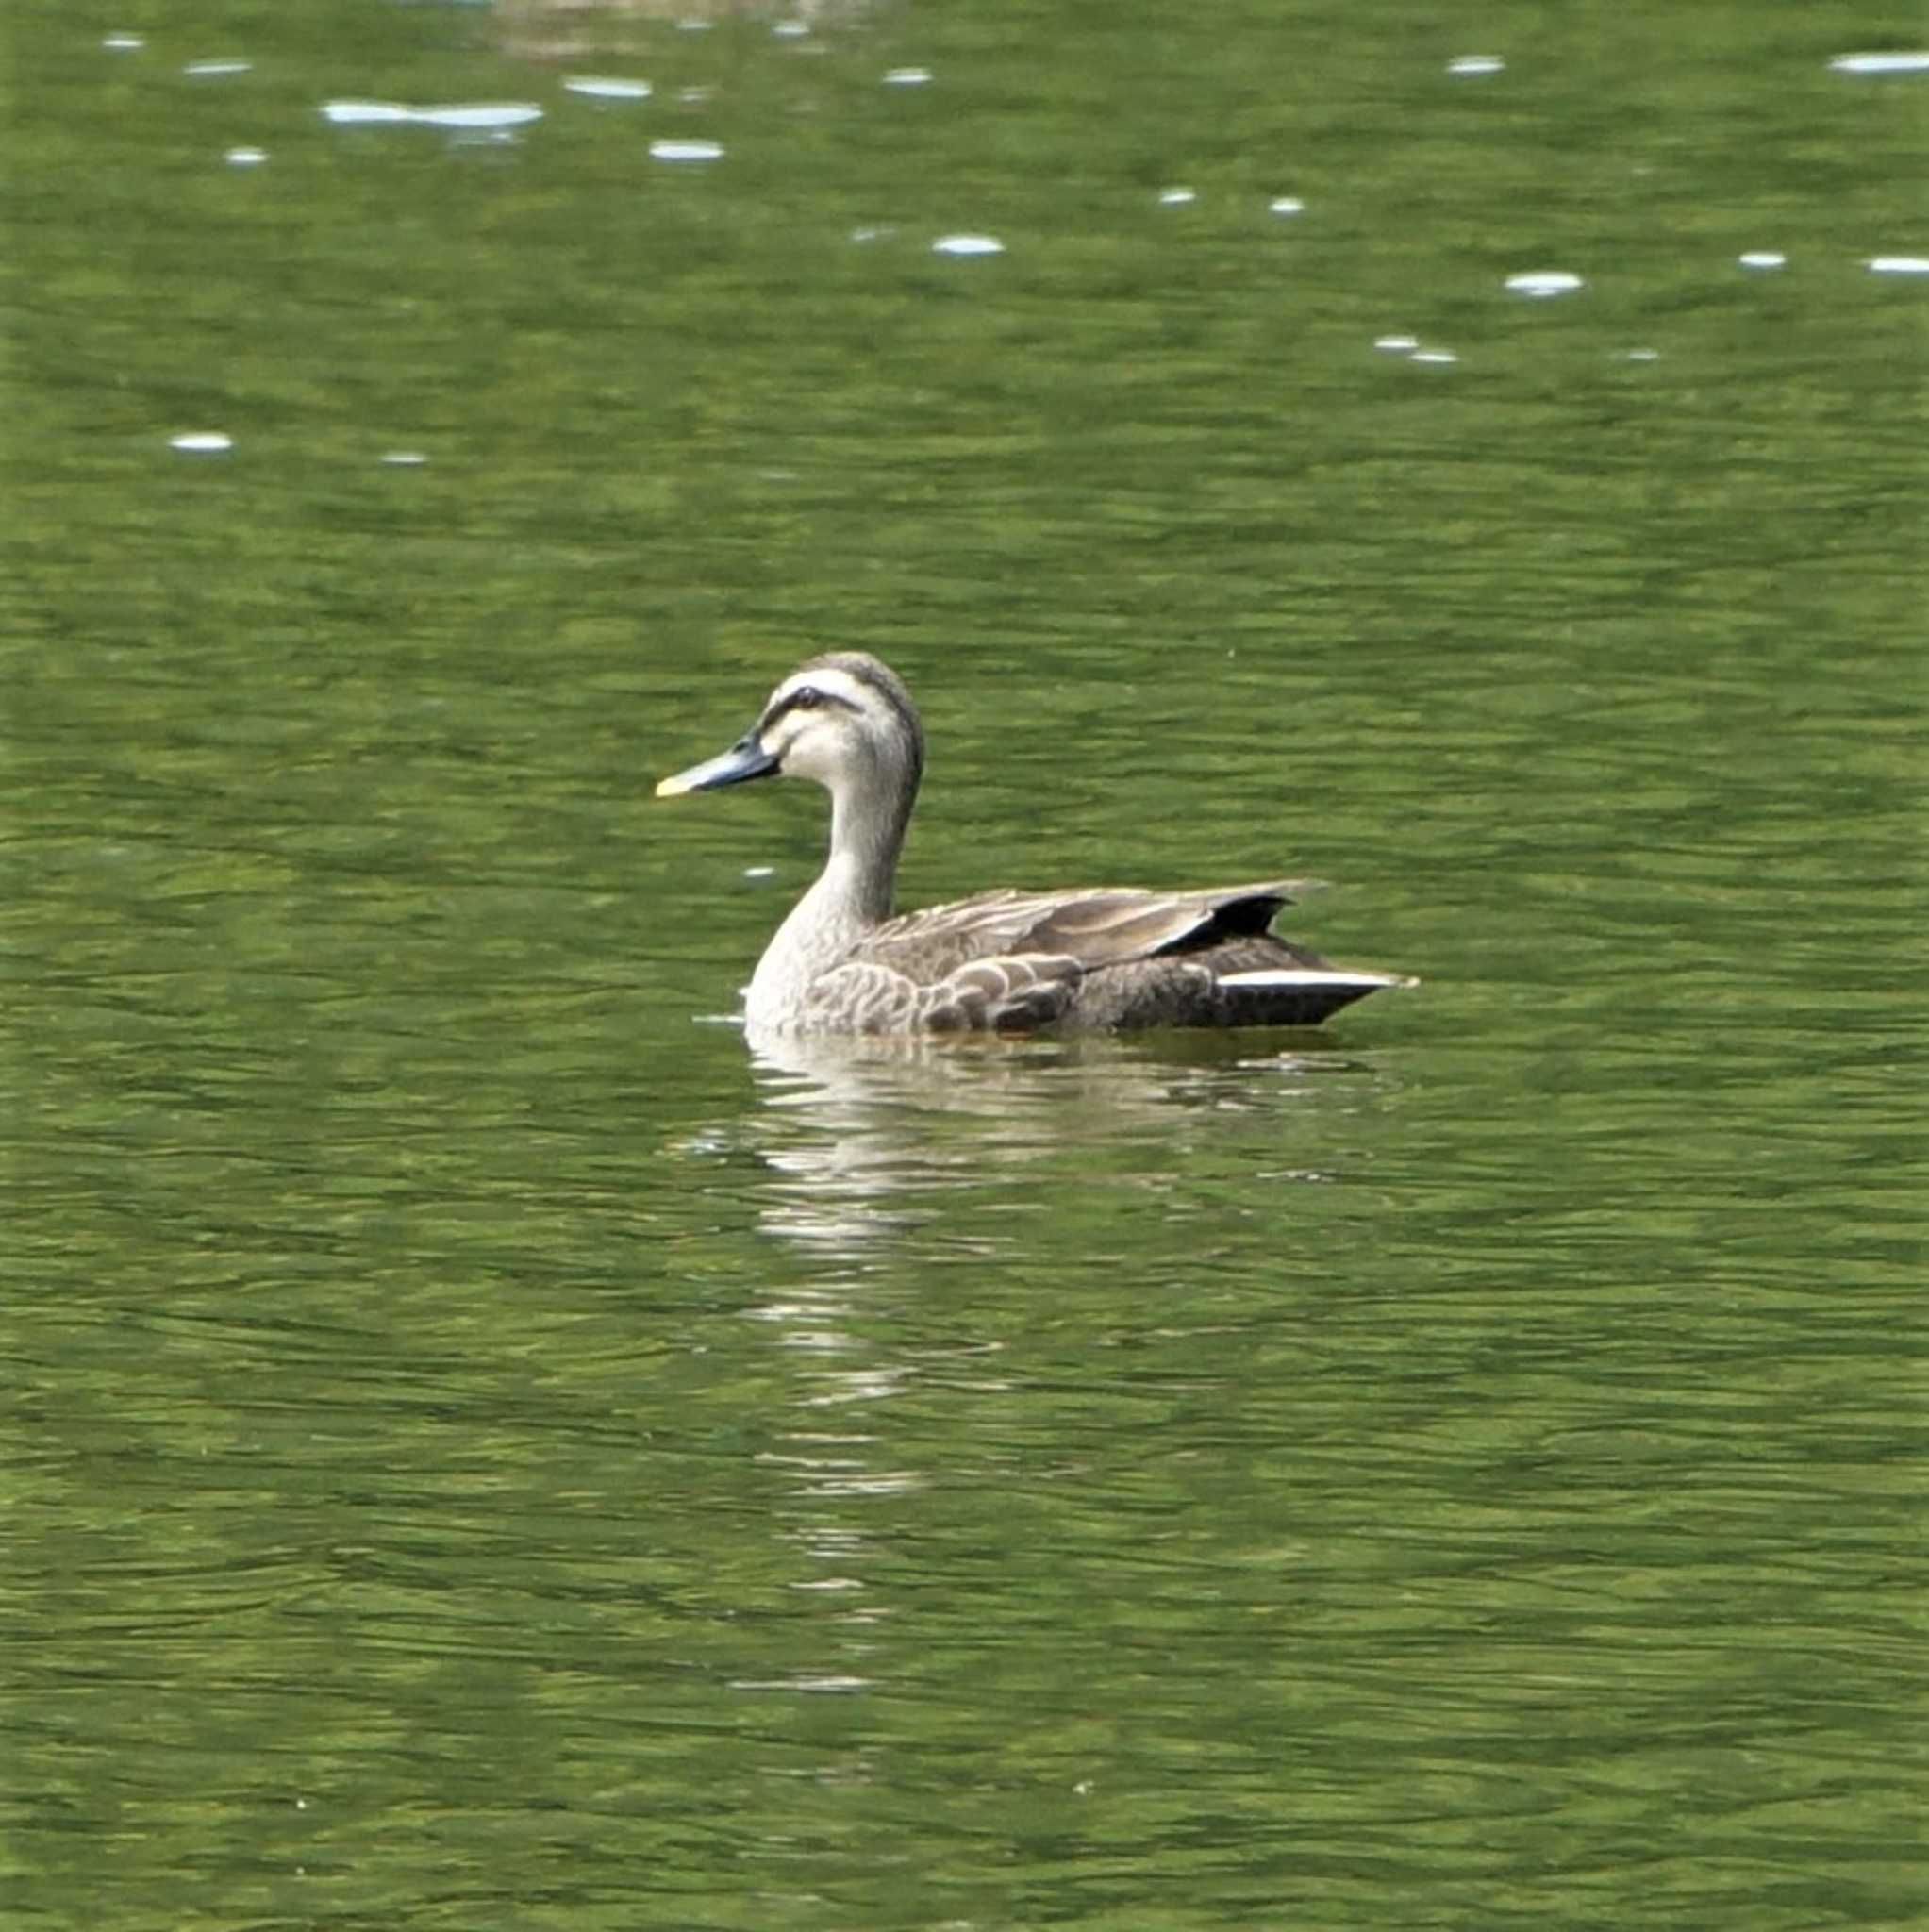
(1083,958)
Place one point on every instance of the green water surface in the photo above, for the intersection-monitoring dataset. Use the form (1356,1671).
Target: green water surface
(481,1449)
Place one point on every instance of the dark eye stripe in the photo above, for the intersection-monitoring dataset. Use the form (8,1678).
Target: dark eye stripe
(803,699)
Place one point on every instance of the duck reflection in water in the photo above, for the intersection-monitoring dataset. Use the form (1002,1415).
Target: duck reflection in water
(860,1139)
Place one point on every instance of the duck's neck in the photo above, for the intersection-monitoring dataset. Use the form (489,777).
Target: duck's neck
(850,897)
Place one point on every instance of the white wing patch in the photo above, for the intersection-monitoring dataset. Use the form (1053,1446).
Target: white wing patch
(1301,976)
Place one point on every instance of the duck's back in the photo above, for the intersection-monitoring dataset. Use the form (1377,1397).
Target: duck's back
(1099,927)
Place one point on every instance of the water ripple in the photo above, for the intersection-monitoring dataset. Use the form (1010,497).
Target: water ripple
(1881,63)
(1538,284)
(477,116)
(606,89)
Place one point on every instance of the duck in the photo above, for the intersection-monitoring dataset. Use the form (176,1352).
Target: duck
(1100,958)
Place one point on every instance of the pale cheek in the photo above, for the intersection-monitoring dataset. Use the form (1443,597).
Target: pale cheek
(800,759)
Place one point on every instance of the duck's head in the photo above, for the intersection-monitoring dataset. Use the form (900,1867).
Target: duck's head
(843,719)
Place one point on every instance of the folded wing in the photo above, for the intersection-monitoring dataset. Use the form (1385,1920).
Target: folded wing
(1104,926)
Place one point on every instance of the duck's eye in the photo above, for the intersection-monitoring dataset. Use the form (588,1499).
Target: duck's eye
(804,699)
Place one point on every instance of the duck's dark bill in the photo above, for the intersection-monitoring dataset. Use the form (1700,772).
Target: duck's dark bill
(746,758)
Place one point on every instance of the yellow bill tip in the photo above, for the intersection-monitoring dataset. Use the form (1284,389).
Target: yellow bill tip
(670,787)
